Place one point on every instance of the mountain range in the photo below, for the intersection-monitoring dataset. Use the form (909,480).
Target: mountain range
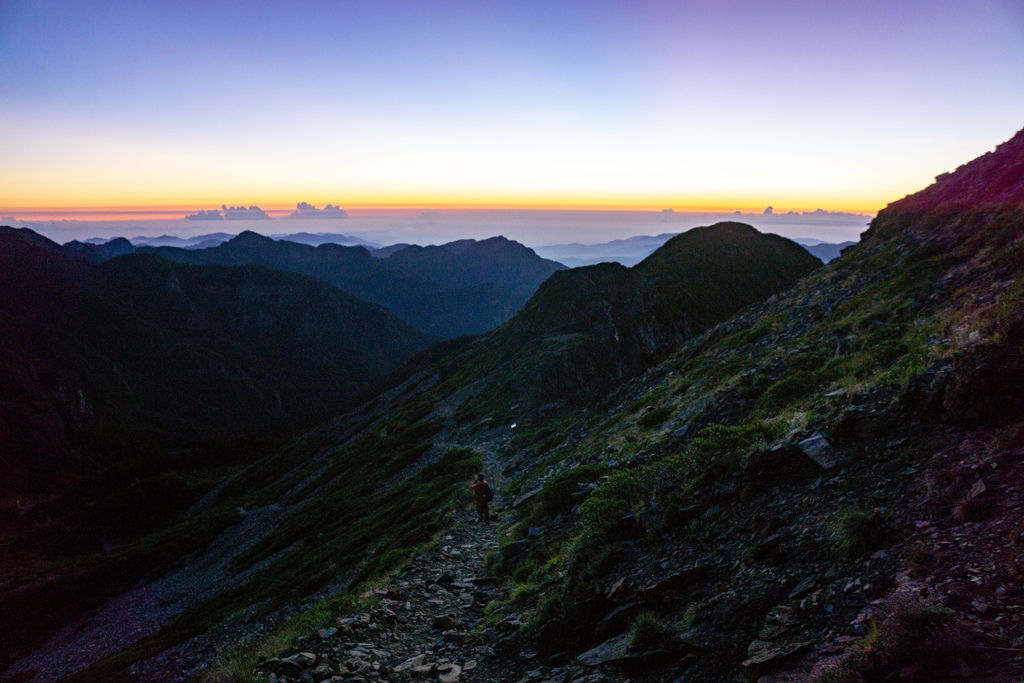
(465,287)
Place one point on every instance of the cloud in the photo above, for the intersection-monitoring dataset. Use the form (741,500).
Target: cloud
(305,210)
(233,213)
(205,215)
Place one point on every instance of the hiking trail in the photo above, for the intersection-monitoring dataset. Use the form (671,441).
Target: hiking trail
(430,621)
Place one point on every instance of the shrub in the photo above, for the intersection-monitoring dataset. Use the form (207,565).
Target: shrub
(557,496)
(647,631)
(654,417)
(856,532)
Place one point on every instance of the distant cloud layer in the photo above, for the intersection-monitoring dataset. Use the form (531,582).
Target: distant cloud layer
(205,215)
(228,213)
(305,210)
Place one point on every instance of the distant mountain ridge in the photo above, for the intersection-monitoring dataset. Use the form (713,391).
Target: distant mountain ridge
(632,250)
(827,251)
(461,288)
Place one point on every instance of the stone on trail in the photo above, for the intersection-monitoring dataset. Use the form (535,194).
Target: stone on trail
(303,659)
(817,448)
(409,663)
(764,657)
(326,633)
(449,673)
(425,669)
(607,652)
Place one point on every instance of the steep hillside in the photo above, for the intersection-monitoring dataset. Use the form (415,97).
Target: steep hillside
(589,328)
(827,484)
(457,289)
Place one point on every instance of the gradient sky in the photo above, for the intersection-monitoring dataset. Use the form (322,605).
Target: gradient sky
(716,104)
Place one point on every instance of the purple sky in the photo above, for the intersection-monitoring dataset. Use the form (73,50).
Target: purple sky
(710,105)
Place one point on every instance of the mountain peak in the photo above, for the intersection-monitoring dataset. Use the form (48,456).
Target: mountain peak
(249,237)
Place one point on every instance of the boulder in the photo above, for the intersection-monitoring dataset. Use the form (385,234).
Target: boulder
(617,620)
(764,657)
(619,589)
(425,669)
(617,652)
(449,673)
(527,497)
(677,584)
(608,652)
(817,448)
(414,661)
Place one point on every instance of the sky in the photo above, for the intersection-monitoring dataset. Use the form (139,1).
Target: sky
(694,105)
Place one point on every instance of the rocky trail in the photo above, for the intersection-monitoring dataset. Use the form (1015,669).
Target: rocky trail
(430,622)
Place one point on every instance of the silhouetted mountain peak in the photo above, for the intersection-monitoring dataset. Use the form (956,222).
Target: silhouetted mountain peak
(993,179)
(248,237)
(588,328)
(27,235)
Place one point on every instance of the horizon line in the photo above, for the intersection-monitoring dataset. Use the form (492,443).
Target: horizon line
(277,211)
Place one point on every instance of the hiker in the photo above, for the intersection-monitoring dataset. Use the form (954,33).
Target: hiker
(482,494)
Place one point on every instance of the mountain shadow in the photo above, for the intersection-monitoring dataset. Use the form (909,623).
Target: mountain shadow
(101,363)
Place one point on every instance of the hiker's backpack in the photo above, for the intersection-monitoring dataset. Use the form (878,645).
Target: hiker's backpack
(488,494)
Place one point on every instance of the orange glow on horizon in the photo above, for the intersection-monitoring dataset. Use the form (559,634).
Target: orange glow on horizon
(276,209)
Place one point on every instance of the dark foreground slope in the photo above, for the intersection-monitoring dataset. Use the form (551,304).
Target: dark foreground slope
(465,287)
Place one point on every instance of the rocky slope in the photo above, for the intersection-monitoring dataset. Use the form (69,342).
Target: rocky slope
(791,494)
